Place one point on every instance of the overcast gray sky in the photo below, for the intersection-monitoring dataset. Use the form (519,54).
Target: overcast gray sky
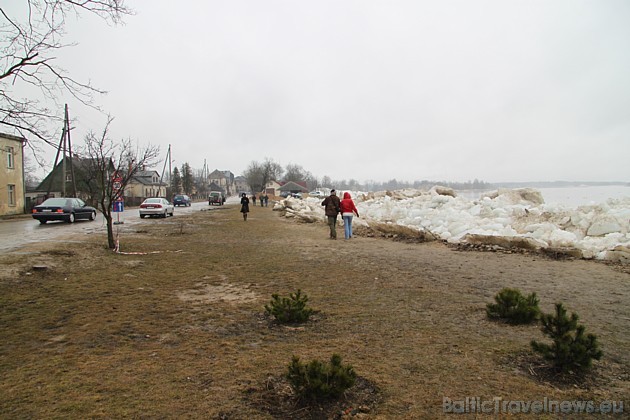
(499,90)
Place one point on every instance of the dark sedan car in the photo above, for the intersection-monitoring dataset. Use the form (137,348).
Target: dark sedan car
(66,209)
(182,200)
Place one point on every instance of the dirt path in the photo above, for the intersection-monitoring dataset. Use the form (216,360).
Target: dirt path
(409,317)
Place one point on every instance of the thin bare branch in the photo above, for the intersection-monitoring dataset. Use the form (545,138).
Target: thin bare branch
(27,58)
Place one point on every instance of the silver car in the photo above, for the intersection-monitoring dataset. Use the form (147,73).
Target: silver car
(317,194)
(160,207)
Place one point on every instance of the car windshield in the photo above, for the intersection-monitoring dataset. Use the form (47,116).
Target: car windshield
(179,197)
(153,200)
(55,202)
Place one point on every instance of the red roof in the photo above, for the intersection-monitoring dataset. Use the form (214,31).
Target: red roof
(300,183)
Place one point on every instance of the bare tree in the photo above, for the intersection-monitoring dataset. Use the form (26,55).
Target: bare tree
(354,185)
(254,176)
(392,184)
(30,179)
(259,174)
(200,183)
(297,173)
(294,173)
(30,37)
(271,171)
(110,166)
(311,180)
(326,182)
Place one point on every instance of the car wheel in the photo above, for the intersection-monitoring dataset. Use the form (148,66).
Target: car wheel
(93,215)
(43,222)
(165,214)
(142,216)
(71,218)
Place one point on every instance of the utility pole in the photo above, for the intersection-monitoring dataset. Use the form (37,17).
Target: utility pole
(170,164)
(66,146)
(168,160)
(74,183)
(63,161)
(204,172)
(204,177)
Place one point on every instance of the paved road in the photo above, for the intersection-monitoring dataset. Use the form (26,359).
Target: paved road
(14,233)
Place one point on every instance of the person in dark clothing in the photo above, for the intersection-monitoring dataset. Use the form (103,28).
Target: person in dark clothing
(331,208)
(244,206)
(254,199)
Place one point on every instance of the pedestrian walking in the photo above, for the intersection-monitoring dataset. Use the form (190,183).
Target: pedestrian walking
(331,208)
(254,199)
(266,200)
(244,206)
(348,210)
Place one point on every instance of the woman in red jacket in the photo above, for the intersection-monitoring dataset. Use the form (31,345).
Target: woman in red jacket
(348,209)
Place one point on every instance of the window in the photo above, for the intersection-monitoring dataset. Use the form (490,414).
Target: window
(11,189)
(10,157)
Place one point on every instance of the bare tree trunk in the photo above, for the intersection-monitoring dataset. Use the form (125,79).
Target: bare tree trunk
(111,241)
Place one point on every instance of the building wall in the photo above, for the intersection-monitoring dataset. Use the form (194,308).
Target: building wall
(136,192)
(240,185)
(272,188)
(134,189)
(224,181)
(11,175)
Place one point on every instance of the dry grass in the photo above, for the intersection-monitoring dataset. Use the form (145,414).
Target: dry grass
(182,332)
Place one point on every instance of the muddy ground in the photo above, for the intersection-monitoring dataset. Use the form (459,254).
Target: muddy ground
(176,328)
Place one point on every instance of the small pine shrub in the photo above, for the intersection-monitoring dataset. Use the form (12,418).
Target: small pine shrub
(289,310)
(514,308)
(317,380)
(571,349)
